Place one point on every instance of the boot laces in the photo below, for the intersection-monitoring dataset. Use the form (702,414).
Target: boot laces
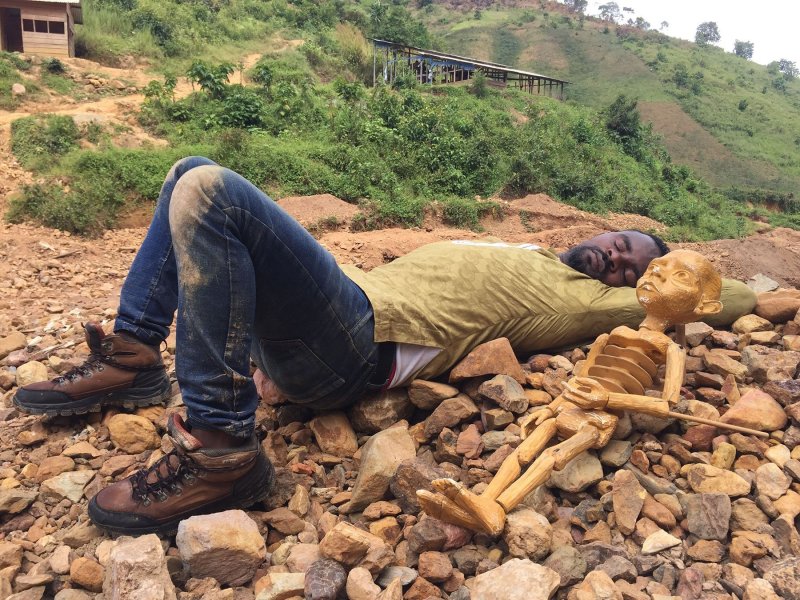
(95,362)
(169,476)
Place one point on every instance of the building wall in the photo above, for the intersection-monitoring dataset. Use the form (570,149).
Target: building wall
(47,44)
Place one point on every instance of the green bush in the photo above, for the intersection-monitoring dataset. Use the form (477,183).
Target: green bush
(37,140)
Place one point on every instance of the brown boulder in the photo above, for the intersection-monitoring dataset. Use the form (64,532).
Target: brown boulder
(492,358)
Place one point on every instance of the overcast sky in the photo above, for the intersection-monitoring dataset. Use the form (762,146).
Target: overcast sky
(772,25)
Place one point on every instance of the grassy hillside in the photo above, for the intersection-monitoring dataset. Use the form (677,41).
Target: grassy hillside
(306,124)
(735,122)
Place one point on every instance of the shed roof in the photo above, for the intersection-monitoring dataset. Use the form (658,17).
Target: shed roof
(73,2)
(465,60)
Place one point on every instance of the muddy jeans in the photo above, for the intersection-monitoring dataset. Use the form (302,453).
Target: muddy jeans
(245,278)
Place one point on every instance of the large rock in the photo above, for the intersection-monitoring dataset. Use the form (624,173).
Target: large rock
(133,434)
(768,364)
(325,580)
(226,546)
(756,410)
(779,306)
(517,579)
(380,411)
(628,499)
(137,568)
(492,358)
(334,434)
(705,479)
(87,573)
(578,474)
(15,500)
(527,534)
(708,515)
(722,364)
(380,457)
(413,475)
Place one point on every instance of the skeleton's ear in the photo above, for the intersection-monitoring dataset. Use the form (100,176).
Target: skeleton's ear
(708,307)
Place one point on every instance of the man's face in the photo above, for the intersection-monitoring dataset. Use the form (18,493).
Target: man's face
(617,259)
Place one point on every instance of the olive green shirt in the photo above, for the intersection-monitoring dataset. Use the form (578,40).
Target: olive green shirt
(457,295)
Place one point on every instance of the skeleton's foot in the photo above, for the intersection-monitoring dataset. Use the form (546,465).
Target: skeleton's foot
(487,513)
(442,508)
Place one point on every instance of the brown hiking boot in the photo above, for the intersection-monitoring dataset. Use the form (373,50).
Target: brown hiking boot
(190,480)
(120,371)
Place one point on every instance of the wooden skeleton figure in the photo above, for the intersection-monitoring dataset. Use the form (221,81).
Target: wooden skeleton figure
(678,288)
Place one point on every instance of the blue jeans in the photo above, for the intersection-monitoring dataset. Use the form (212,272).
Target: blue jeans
(246,280)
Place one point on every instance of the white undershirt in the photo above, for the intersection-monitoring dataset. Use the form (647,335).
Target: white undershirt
(410,359)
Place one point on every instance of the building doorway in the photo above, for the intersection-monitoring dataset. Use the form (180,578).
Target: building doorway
(11,27)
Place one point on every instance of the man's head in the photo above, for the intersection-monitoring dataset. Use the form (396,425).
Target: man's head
(616,258)
(680,287)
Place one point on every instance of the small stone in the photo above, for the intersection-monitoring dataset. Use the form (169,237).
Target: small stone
(87,573)
(527,534)
(750,323)
(81,450)
(334,434)
(616,453)
(15,500)
(346,544)
(491,358)
(427,395)
(281,586)
(628,499)
(469,443)
(226,546)
(721,364)
(67,485)
(505,392)
(578,474)
(769,364)
(756,410)
(724,456)
(745,514)
(618,567)
(406,576)
(325,580)
(52,466)
(760,589)
(597,586)
(707,551)
(31,372)
(706,479)
(360,585)
(784,576)
(568,563)
(697,332)
(778,306)
(530,582)
(378,412)
(708,515)
(133,434)
(771,481)
(284,520)
(17,89)
(450,413)
(435,566)
(137,568)
(658,541)
(413,475)
(12,342)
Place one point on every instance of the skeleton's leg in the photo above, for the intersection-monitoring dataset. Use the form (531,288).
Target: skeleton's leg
(512,466)
(552,459)
(441,507)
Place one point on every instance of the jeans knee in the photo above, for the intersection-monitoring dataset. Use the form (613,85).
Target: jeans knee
(186,164)
(194,195)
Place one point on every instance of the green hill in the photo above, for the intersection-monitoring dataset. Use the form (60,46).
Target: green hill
(303,122)
(734,121)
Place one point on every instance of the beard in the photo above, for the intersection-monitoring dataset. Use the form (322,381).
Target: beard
(589,260)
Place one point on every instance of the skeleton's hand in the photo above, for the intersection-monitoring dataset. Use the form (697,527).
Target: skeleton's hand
(537,417)
(585,393)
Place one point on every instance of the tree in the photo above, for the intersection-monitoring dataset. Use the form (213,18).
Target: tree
(788,68)
(610,12)
(577,6)
(707,33)
(664,25)
(640,23)
(743,49)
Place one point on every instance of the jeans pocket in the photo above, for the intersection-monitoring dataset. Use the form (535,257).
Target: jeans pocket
(298,371)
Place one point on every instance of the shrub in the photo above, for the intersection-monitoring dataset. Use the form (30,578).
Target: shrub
(37,141)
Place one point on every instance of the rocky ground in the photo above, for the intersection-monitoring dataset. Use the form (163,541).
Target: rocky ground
(664,511)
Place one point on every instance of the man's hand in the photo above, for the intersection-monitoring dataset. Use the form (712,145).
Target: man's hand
(586,393)
(267,389)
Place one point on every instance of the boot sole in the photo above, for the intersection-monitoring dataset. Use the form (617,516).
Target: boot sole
(244,494)
(130,398)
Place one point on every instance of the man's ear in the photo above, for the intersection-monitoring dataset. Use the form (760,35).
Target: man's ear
(708,307)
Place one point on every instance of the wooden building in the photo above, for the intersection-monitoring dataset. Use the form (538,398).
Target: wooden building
(432,67)
(41,27)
